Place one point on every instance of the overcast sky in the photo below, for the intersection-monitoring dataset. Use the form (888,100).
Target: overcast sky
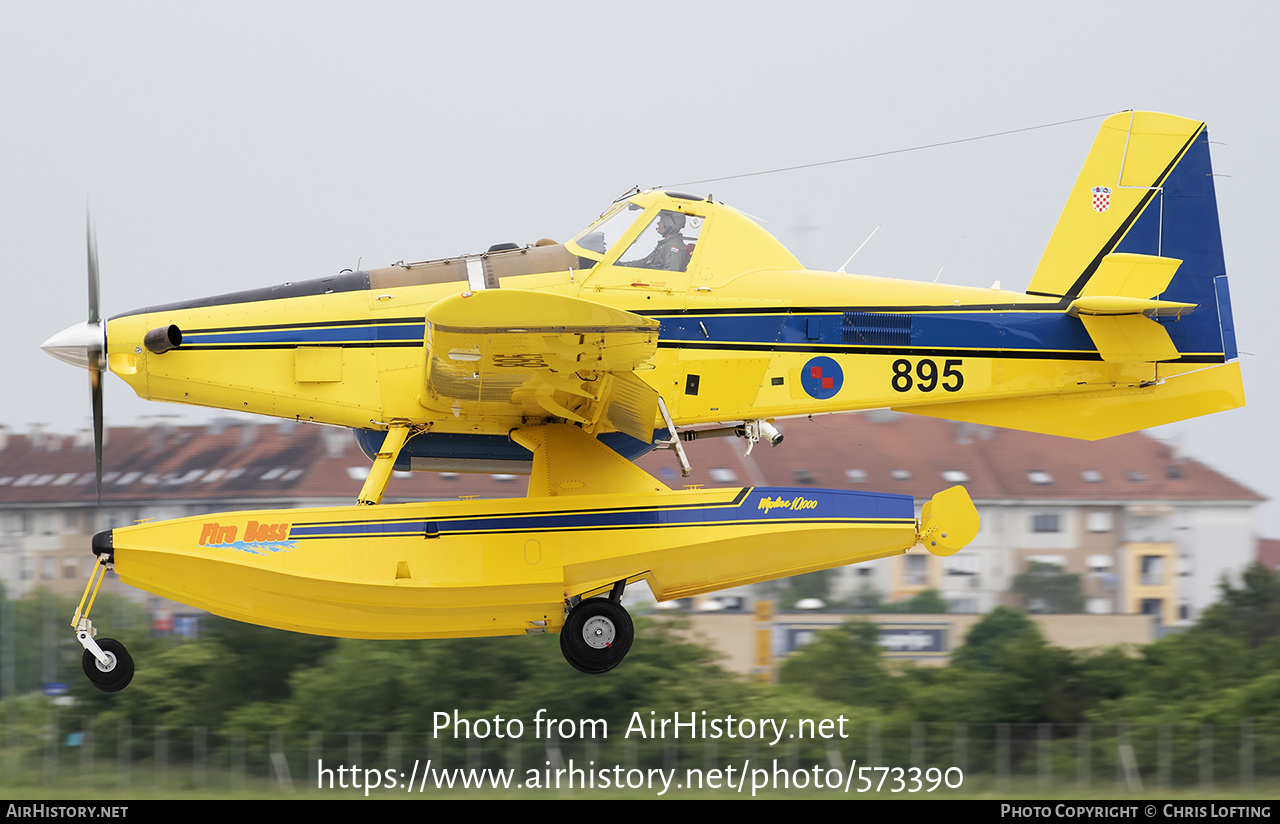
(231,145)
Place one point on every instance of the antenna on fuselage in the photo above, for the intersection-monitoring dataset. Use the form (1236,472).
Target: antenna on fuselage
(859,249)
(948,258)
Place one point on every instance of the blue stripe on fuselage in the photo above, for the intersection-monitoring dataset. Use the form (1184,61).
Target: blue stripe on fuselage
(758,506)
(1025,331)
(988,331)
(356,333)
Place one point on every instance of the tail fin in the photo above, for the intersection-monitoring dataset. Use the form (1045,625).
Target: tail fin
(1146,189)
(1137,257)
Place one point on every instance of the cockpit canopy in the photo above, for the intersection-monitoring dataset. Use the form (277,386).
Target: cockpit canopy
(655,230)
(665,230)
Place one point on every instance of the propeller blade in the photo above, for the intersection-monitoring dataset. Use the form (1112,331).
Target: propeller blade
(92,243)
(96,352)
(95,389)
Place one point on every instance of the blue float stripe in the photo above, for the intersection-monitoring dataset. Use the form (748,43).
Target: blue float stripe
(489,528)
(776,505)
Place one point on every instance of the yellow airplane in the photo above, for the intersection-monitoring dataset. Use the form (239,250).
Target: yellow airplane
(671,317)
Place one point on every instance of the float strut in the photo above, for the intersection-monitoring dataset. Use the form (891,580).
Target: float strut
(380,473)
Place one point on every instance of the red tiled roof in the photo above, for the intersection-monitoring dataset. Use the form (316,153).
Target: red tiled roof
(274,462)
(996,462)
(1268,552)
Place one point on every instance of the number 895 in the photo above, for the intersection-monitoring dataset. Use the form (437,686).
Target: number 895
(924,375)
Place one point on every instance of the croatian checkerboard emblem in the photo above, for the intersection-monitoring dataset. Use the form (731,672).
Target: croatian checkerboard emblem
(1101,198)
(821,378)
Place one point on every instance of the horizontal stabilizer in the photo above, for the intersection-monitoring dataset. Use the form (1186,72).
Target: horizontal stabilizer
(1095,415)
(1117,302)
(1111,305)
(1131,275)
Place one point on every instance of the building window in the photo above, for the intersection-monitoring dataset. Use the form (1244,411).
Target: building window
(1099,522)
(1152,570)
(1045,522)
(723,476)
(1098,606)
(917,570)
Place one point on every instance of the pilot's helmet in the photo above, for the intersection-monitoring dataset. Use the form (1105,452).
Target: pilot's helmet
(675,221)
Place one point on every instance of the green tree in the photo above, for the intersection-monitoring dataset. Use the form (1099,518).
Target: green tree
(1046,588)
(987,642)
(843,664)
(810,585)
(1006,672)
(927,602)
(1251,612)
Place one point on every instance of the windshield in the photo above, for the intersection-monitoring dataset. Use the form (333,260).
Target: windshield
(677,234)
(600,236)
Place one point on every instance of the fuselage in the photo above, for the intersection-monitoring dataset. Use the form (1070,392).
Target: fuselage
(745,332)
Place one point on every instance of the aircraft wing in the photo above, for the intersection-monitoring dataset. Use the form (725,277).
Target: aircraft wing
(512,353)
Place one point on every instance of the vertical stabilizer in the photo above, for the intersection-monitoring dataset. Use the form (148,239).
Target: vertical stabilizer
(1146,188)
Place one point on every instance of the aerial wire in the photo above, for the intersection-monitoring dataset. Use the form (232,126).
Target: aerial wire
(891,151)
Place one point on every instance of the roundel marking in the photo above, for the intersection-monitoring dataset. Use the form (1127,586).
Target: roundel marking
(821,378)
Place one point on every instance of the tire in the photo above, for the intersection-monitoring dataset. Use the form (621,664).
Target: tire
(596,636)
(114,677)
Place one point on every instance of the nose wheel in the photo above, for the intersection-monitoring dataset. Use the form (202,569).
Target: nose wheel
(113,675)
(596,636)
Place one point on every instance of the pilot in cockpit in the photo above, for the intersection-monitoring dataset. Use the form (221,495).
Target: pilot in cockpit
(669,254)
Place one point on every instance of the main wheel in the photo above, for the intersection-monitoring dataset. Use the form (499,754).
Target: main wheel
(118,672)
(596,636)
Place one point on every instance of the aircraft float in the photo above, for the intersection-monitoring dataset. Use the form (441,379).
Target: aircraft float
(671,317)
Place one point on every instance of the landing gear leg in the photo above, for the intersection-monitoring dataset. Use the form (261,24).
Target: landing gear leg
(598,633)
(106,662)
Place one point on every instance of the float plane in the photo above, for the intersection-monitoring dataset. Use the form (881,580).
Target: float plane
(669,318)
